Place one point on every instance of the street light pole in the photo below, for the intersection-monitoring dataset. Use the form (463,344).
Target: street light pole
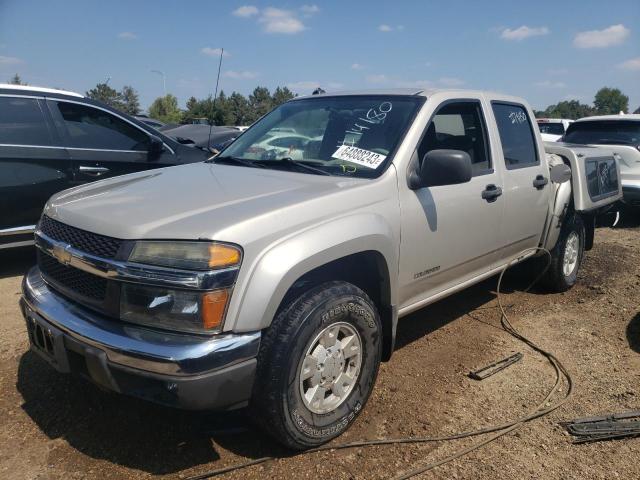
(164,81)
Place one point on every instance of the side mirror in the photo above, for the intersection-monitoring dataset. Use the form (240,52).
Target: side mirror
(560,173)
(156,147)
(442,167)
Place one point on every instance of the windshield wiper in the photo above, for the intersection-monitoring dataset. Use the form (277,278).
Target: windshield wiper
(302,165)
(245,162)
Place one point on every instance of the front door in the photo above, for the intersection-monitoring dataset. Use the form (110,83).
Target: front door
(100,144)
(450,233)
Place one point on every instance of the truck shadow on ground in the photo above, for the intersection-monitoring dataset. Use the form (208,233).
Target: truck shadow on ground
(633,333)
(16,261)
(159,440)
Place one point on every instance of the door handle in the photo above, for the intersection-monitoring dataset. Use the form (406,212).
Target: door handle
(540,181)
(93,170)
(491,193)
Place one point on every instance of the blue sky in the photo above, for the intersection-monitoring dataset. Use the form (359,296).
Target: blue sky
(545,51)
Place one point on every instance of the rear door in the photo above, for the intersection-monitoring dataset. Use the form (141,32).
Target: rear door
(33,164)
(526,183)
(102,144)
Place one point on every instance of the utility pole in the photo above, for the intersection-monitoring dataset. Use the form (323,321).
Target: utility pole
(164,81)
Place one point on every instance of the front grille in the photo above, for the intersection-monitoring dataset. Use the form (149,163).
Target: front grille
(78,282)
(92,243)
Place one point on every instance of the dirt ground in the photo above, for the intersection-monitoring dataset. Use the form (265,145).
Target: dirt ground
(54,426)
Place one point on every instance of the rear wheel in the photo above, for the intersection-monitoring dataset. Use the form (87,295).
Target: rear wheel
(317,365)
(566,256)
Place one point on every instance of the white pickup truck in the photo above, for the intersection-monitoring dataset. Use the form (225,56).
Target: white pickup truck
(277,282)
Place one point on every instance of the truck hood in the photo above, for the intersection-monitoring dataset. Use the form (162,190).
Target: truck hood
(201,200)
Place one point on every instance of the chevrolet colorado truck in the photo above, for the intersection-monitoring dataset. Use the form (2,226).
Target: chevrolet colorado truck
(276,283)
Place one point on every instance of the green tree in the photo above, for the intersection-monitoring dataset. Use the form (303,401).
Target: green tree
(192,103)
(105,94)
(260,102)
(130,101)
(166,109)
(281,95)
(610,101)
(239,109)
(570,109)
(16,80)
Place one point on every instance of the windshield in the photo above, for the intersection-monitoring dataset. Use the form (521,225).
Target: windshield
(350,135)
(607,132)
(552,128)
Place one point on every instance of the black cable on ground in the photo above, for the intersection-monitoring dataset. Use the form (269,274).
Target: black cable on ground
(543,408)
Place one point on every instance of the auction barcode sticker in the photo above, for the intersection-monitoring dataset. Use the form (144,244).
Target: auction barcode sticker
(363,157)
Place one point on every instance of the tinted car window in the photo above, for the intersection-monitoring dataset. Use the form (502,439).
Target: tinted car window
(552,128)
(516,135)
(22,122)
(459,126)
(92,128)
(607,132)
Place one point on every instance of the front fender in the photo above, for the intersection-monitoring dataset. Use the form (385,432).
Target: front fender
(256,301)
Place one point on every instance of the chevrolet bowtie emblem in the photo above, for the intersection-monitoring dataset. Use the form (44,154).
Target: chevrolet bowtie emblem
(62,253)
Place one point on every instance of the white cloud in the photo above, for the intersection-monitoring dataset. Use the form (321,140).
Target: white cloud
(378,78)
(608,37)
(309,10)
(550,84)
(414,84)
(450,82)
(276,20)
(127,36)
(214,52)
(10,60)
(245,11)
(522,32)
(244,75)
(357,66)
(304,85)
(632,64)
(389,28)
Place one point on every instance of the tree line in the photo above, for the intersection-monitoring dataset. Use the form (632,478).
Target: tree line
(607,101)
(236,109)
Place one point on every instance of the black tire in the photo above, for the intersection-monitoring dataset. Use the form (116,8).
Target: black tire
(555,278)
(277,405)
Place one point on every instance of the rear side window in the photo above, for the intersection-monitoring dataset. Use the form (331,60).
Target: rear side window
(22,122)
(552,128)
(516,135)
(91,128)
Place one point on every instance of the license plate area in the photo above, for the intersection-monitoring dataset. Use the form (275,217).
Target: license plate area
(47,341)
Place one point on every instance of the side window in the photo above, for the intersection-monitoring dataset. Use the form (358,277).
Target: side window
(459,126)
(22,122)
(516,135)
(89,127)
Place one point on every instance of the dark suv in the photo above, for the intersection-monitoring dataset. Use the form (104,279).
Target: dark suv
(51,140)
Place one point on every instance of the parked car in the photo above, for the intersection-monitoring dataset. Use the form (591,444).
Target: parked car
(552,129)
(278,283)
(621,134)
(211,138)
(152,122)
(51,140)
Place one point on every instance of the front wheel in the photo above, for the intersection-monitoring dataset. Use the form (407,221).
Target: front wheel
(317,365)
(566,256)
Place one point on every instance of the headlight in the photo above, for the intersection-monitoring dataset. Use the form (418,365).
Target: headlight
(179,309)
(186,255)
(173,309)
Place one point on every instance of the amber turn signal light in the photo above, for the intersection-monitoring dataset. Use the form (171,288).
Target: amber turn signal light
(214,305)
(221,256)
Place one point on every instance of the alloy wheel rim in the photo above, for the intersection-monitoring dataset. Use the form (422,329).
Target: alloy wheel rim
(571,251)
(330,368)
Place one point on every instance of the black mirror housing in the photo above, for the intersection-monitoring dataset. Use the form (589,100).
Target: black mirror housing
(442,167)
(156,147)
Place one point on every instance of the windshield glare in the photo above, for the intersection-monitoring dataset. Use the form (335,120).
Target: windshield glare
(607,132)
(350,135)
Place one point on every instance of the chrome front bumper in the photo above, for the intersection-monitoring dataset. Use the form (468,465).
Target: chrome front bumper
(188,371)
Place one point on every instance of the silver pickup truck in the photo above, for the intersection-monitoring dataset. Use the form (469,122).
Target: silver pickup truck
(273,275)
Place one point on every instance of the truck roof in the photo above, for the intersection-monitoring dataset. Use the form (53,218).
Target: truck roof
(420,92)
(624,116)
(29,88)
